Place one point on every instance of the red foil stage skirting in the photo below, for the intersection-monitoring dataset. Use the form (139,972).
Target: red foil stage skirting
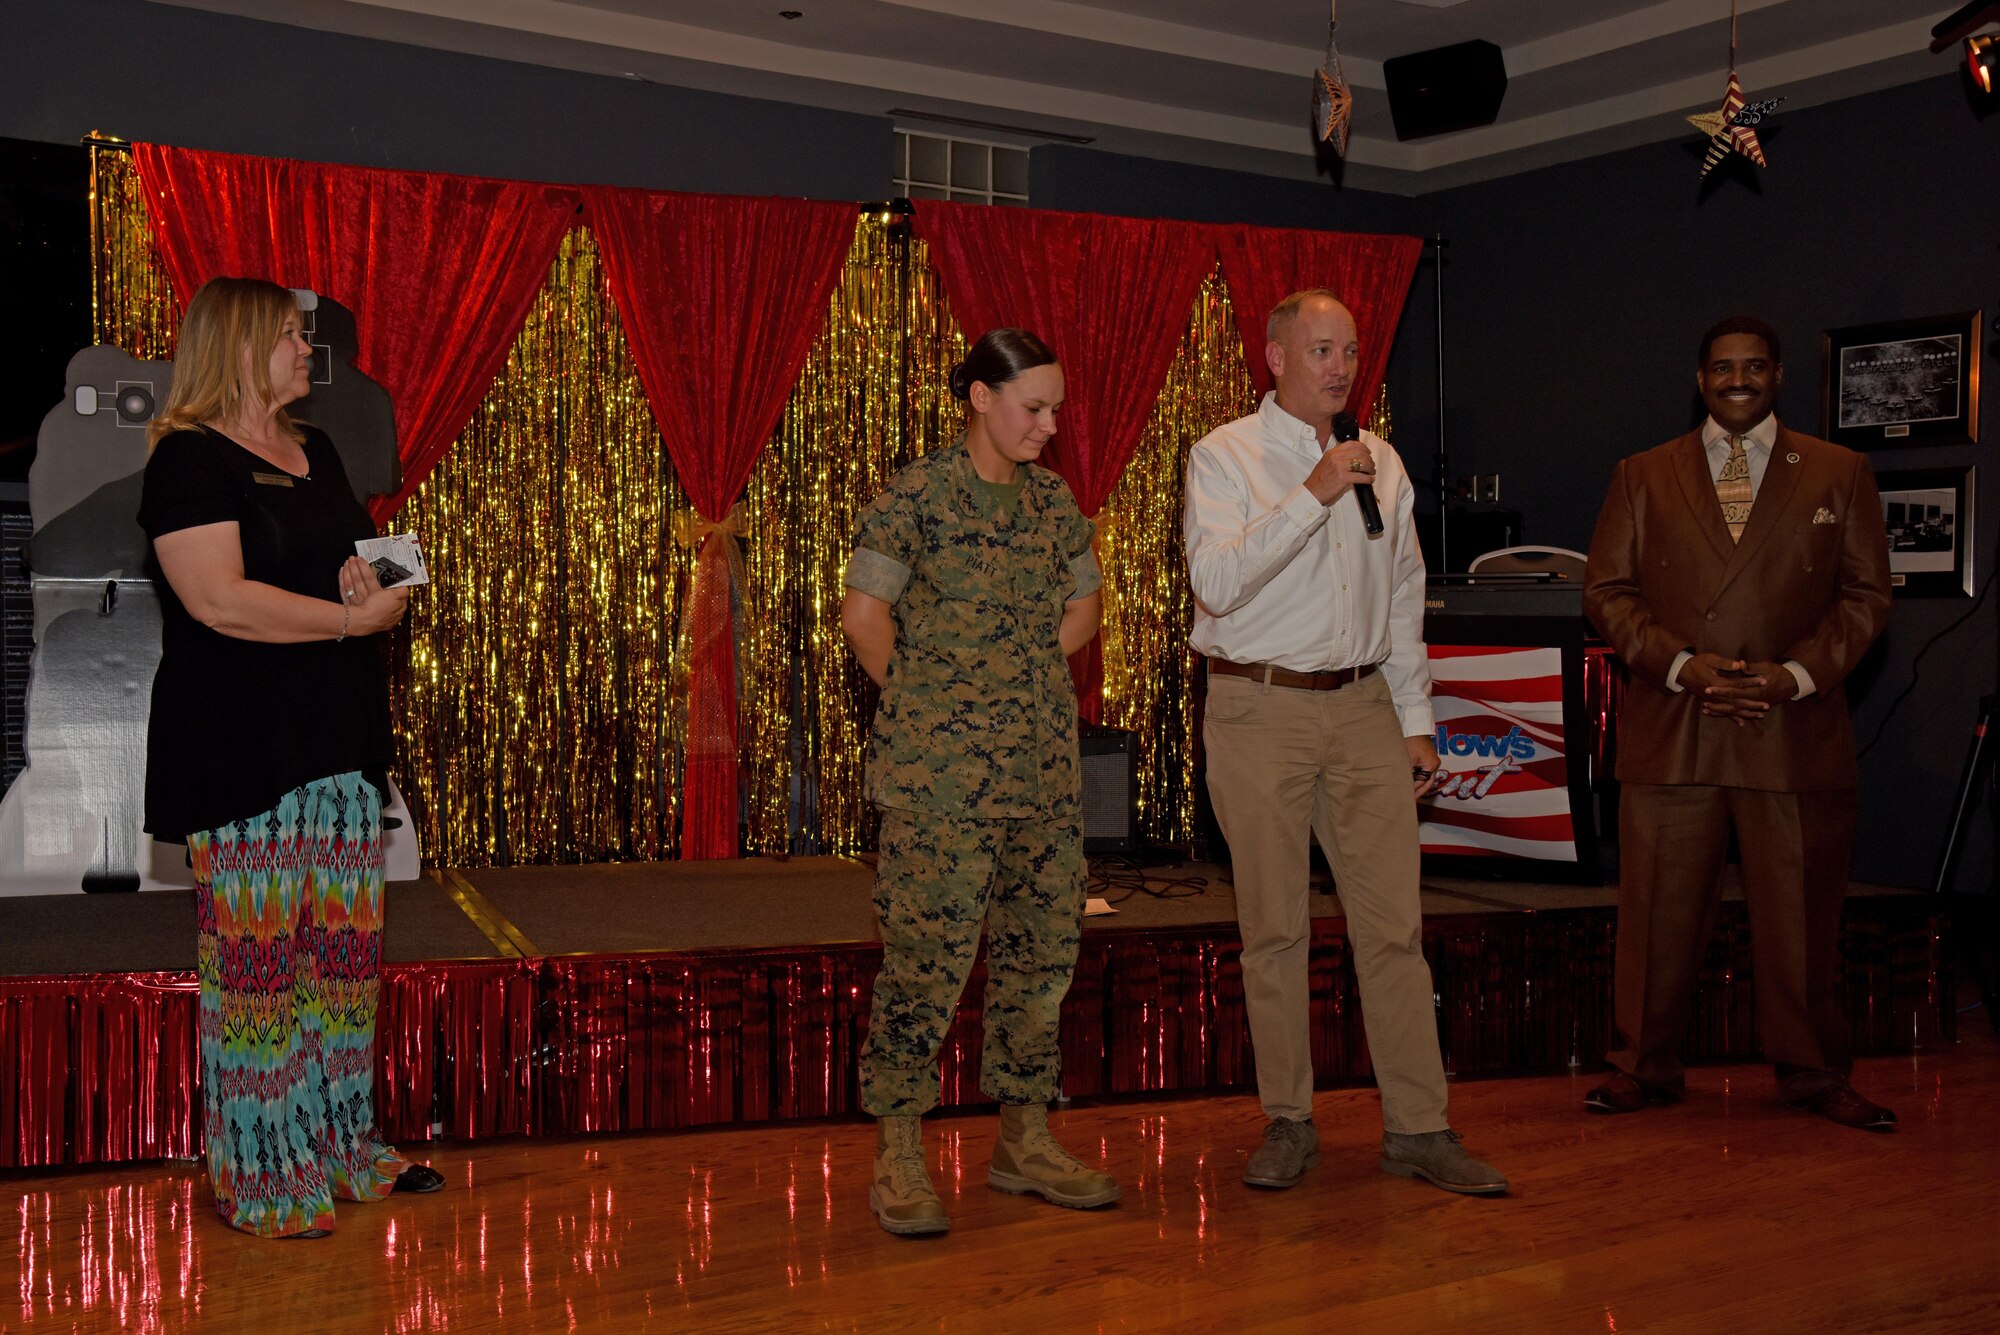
(99,1068)
(102,1068)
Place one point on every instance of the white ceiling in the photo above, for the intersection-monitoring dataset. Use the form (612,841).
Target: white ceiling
(1219,82)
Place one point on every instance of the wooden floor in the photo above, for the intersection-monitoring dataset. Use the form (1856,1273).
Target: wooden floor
(1728,1213)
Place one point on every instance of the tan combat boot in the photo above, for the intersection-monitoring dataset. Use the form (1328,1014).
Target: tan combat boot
(1026,1159)
(901,1196)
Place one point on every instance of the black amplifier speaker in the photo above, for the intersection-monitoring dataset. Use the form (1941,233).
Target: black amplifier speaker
(1449,88)
(1110,788)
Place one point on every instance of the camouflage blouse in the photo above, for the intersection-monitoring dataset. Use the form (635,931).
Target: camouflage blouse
(978,715)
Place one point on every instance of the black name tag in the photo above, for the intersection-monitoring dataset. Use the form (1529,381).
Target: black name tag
(272,479)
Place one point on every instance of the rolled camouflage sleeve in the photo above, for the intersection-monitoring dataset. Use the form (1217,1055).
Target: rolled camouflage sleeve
(885,548)
(1075,538)
(876,575)
(1089,579)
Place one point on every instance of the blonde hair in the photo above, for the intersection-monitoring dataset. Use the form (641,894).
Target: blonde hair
(1286,311)
(222,358)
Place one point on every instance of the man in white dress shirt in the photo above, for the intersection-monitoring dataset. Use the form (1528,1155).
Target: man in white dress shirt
(1318,720)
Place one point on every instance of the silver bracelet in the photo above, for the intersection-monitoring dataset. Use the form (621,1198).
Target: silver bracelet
(345,612)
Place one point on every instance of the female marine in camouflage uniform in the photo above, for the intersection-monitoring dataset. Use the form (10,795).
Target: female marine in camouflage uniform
(972,579)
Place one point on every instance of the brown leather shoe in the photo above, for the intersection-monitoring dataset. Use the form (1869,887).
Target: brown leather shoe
(1624,1094)
(1438,1158)
(1839,1103)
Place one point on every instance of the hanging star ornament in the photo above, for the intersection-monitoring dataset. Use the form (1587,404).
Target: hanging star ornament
(1728,130)
(1333,109)
(1333,100)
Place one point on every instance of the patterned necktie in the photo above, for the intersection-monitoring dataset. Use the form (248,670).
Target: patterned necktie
(1732,488)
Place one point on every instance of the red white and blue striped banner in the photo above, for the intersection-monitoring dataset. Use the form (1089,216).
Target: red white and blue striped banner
(1500,740)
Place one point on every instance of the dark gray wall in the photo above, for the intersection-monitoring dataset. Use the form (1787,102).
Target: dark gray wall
(1086,181)
(1577,293)
(199,80)
(1576,296)
(45,260)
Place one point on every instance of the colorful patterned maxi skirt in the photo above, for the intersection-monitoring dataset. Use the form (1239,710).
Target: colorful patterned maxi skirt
(289,910)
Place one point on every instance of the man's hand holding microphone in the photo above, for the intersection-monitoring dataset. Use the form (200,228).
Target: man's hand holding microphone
(1347,465)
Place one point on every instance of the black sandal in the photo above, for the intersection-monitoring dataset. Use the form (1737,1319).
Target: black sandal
(419,1178)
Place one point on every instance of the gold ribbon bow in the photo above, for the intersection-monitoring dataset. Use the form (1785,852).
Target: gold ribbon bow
(690,528)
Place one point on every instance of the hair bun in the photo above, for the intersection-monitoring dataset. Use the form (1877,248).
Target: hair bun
(998,356)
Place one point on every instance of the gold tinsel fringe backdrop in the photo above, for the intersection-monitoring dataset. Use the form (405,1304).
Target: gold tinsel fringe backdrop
(131,302)
(537,693)
(1148,610)
(535,709)
(863,408)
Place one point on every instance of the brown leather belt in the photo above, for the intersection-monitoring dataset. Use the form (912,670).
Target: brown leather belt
(1297,681)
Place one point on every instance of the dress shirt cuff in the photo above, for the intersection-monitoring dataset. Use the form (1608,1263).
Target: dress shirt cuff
(1304,510)
(1802,677)
(1417,720)
(1674,670)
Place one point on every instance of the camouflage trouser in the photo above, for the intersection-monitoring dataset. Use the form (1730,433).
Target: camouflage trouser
(939,877)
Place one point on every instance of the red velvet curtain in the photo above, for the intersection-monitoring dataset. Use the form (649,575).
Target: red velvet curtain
(1264,265)
(721,298)
(440,271)
(1109,295)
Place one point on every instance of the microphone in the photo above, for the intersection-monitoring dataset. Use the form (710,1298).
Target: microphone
(1345,428)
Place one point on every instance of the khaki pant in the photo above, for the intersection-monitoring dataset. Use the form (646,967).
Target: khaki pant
(1284,762)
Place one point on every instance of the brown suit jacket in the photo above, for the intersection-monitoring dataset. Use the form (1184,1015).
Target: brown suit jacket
(1808,582)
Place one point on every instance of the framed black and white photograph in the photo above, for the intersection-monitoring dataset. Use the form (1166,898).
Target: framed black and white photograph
(1930,517)
(1902,382)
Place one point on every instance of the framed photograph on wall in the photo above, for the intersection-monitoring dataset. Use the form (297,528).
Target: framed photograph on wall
(1902,382)
(1931,521)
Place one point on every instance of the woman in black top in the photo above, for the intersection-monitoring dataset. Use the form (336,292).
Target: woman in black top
(269,706)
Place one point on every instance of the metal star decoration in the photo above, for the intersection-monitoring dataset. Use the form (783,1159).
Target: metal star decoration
(1728,130)
(1333,100)
(1726,133)
(1333,109)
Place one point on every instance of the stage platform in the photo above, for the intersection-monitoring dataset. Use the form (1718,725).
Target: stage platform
(636,996)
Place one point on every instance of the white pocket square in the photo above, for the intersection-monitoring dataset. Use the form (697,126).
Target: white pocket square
(1823,516)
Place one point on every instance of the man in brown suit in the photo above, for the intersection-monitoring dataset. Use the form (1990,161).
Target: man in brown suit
(1740,571)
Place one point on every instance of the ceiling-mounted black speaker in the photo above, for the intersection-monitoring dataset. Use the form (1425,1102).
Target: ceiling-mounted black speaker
(1451,88)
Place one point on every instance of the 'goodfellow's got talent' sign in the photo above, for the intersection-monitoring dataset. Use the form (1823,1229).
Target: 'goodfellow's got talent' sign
(1500,742)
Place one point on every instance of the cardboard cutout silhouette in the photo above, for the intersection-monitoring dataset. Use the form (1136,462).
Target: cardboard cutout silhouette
(352,409)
